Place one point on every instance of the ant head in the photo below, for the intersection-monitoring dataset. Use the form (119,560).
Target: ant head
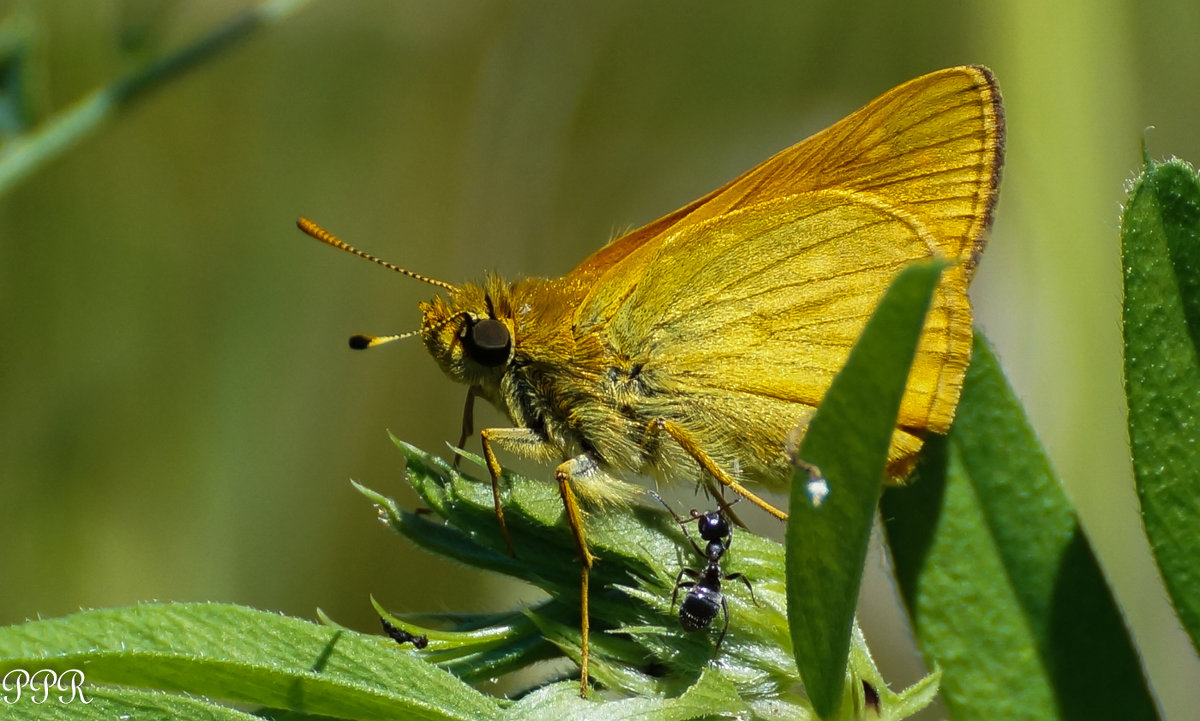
(712,526)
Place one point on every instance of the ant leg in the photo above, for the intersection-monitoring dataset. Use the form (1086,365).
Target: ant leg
(743,579)
(725,613)
(682,523)
(682,584)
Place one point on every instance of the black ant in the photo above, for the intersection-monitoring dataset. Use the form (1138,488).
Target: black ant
(402,637)
(704,597)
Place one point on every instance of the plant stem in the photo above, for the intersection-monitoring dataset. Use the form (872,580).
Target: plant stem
(26,153)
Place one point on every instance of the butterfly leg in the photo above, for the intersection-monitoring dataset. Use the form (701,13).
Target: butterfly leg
(528,443)
(564,474)
(468,424)
(726,507)
(519,440)
(706,462)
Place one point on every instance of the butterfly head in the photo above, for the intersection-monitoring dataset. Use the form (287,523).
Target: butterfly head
(469,335)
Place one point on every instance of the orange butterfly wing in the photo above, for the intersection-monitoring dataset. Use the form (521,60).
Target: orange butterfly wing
(948,124)
(921,163)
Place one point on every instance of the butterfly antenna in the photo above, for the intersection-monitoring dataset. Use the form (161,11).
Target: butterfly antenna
(328,238)
(363,342)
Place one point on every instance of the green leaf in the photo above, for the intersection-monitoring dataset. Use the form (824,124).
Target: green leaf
(638,647)
(106,704)
(300,671)
(646,665)
(1003,590)
(708,698)
(892,706)
(1160,250)
(247,656)
(848,440)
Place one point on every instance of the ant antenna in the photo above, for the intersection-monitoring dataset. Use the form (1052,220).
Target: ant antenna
(328,238)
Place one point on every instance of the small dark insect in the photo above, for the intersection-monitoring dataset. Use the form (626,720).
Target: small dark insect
(871,697)
(704,598)
(402,637)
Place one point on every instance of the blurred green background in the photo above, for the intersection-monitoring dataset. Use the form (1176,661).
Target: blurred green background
(180,412)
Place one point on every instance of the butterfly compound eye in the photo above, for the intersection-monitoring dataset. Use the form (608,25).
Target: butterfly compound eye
(488,342)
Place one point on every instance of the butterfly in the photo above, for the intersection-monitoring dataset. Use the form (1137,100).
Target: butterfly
(694,347)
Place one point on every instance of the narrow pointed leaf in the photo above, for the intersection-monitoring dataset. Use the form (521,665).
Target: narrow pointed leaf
(1160,250)
(106,704)
(1003,590)
(248,656)
(848,441)
(641,550)
(710,697)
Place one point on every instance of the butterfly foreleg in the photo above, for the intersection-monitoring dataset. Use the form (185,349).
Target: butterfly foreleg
(528,443)
(519,440)
(468,424)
